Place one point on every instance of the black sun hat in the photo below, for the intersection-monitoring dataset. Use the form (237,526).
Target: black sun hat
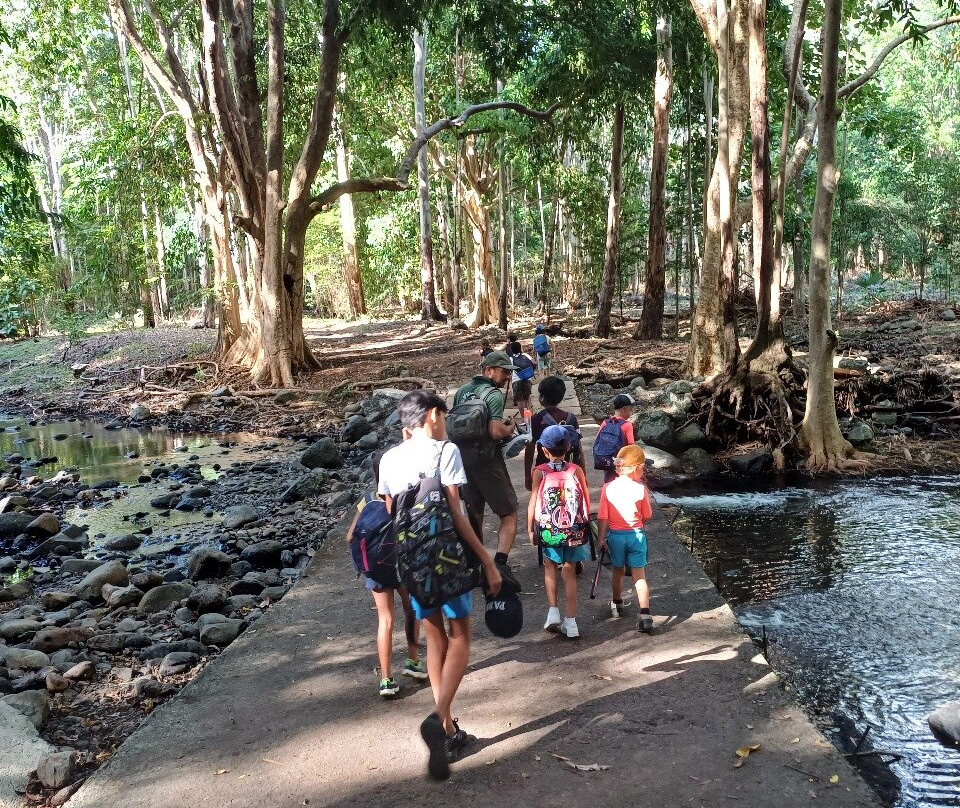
(504,615)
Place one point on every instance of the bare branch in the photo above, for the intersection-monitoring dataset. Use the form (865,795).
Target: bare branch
(874,66)
(400,183)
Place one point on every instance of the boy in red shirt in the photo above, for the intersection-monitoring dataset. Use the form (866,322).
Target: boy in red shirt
(624,507)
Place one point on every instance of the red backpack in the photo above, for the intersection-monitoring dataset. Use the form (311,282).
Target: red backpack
(561,511)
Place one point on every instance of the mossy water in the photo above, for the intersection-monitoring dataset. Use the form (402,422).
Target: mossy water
(853,584)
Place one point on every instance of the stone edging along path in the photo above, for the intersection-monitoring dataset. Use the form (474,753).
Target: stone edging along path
(288,715)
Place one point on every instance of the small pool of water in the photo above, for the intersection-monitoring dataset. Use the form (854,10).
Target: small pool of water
(855,584)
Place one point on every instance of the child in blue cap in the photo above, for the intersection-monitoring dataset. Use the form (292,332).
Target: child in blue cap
(558,520)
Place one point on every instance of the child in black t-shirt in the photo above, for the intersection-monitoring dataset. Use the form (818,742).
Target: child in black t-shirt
(551,390)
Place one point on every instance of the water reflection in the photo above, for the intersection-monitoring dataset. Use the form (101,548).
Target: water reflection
(856,583)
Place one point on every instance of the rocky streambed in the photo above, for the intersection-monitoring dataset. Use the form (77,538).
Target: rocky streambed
(98,627)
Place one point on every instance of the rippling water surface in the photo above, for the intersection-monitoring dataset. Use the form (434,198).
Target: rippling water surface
(856,584)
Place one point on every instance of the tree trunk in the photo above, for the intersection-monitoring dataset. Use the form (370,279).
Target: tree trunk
(799,268)
(348,220)
(768,341)
(693,248)
(428,304)
(446,254)
(651,319)
(611,256)
(548,248)
(820,431)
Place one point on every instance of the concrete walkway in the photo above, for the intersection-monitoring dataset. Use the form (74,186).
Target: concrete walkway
(289,716)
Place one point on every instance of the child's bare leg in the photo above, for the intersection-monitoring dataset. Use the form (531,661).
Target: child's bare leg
(384,603)
(570,588)
(453,666)
(437,645)
(411,627)
(617,585)
(550,582)
(640,584)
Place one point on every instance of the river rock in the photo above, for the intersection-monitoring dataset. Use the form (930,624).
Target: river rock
(858,363)
(208,562)
(859,433)
(146,579)
(274,593)
(207,597)
(161,649)
(60,545)
(655,429)
(945,724)
(263,553)
(13,524)
(221,392)
(884,417)
(57,769)
(54,638)
(690,436)
(128,542)
(46,524)
(701,462)
(177,662)
(164,501)
(34,704)
(107,643)
(15,591)
(284,397)
(82,670)
(140,412)
(8,564)
(55,683)
(163,596)
(752,463)
(54,600)
(113,572)
(322,454)
(355,428)
(25,659)
(79,566)
(368,442)
(239,515)
(221,633)
(949,315)
(22,749)
(146,687)
(240,602)
(117,596)
(309,485)
(16,630)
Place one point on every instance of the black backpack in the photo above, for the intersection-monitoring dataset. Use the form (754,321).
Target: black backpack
(467,420)
(373,547)
(432,562)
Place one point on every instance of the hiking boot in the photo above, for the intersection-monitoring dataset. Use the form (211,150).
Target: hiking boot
(515,445)
(389,687)
(645,624)
(616,610)
(456,743)
(553,620)
(415,670)
(435,737)
(569,628)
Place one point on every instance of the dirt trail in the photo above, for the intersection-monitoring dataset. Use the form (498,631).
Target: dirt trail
(288,715)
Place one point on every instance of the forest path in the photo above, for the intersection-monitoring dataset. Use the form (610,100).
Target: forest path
(288,715)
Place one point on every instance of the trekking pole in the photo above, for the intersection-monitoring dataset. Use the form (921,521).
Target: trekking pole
(596,575)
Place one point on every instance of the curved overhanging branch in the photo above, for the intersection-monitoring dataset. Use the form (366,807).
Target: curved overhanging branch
(400,182)
(871,70)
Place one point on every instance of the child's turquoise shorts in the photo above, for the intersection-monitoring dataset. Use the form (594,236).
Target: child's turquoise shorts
(628,548)
(568,555)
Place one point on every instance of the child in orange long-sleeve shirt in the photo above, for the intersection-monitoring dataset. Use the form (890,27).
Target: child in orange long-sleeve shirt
(624,508)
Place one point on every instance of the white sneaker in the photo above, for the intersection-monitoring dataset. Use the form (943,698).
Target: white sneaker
(614,609)
(569,628)
(553,620)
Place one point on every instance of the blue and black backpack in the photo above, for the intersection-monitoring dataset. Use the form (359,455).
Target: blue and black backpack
(373,547)
(526,370)
(609,441)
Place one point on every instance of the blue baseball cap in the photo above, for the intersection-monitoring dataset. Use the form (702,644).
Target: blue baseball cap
(554,437)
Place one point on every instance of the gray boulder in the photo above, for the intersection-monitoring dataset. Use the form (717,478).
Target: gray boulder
(368,442)
(140,412)
(34,704)
(661,460)
(146,579)
(128,542)
(113,572)
(752,463)
(161,649)
(239,515)
(884,417)
(949,315)
(22,749)
(859,433)
(163,596)
(220,633)
(322,454)
(56,769)
(691,435)
(46,524)
(309,485)
(117,596)
(701,462)
(177,662)
(655,429)
(54,638)
(207,597)
(16,630)
(13,524)
(263,553)
(945,723)
(78,566)
(356,427)
(25,659)
(208,562)
(60,545)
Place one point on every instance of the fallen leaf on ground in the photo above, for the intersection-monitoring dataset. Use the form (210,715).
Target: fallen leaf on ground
(581,767)
(491,762)
(222,771)
(536,758)
(743,753)
(240,777)
(795,740)
(603,678)
(274,762)
(834,778)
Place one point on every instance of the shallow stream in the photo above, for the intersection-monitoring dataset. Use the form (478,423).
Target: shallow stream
(855,585)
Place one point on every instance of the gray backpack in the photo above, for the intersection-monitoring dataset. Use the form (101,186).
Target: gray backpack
(467,421)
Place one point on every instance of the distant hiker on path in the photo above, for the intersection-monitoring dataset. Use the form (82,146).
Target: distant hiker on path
(478,428)
(544,350)
(624,508)
(427,453)
(522,381)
